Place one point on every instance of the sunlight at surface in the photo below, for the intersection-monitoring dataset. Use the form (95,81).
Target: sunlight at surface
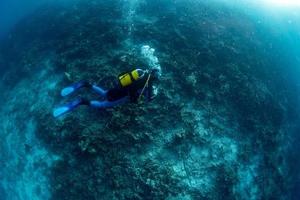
(283,3)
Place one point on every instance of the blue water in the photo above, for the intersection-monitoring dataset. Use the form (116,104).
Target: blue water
(201,139)
(13,11)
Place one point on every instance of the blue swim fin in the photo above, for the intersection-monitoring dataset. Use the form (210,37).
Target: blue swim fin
(70,89)
(67,108)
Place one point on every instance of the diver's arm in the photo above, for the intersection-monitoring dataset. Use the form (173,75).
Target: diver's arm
(151,91)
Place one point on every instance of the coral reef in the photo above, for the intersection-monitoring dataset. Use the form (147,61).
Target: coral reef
(216,131)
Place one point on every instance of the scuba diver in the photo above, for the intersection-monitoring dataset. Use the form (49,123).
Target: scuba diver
(132,87)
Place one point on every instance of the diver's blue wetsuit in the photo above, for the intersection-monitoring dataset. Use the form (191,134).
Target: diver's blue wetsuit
(106,103)
(113,97)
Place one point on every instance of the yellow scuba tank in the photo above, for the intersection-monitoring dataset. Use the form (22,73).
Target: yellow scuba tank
(128,78)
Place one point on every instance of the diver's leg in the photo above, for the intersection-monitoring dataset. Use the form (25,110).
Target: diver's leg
(99,91)
(96,104)
(69,107)
(72,88)
(108,104)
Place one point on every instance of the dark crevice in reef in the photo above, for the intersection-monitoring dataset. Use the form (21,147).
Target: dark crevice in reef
(217,96)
